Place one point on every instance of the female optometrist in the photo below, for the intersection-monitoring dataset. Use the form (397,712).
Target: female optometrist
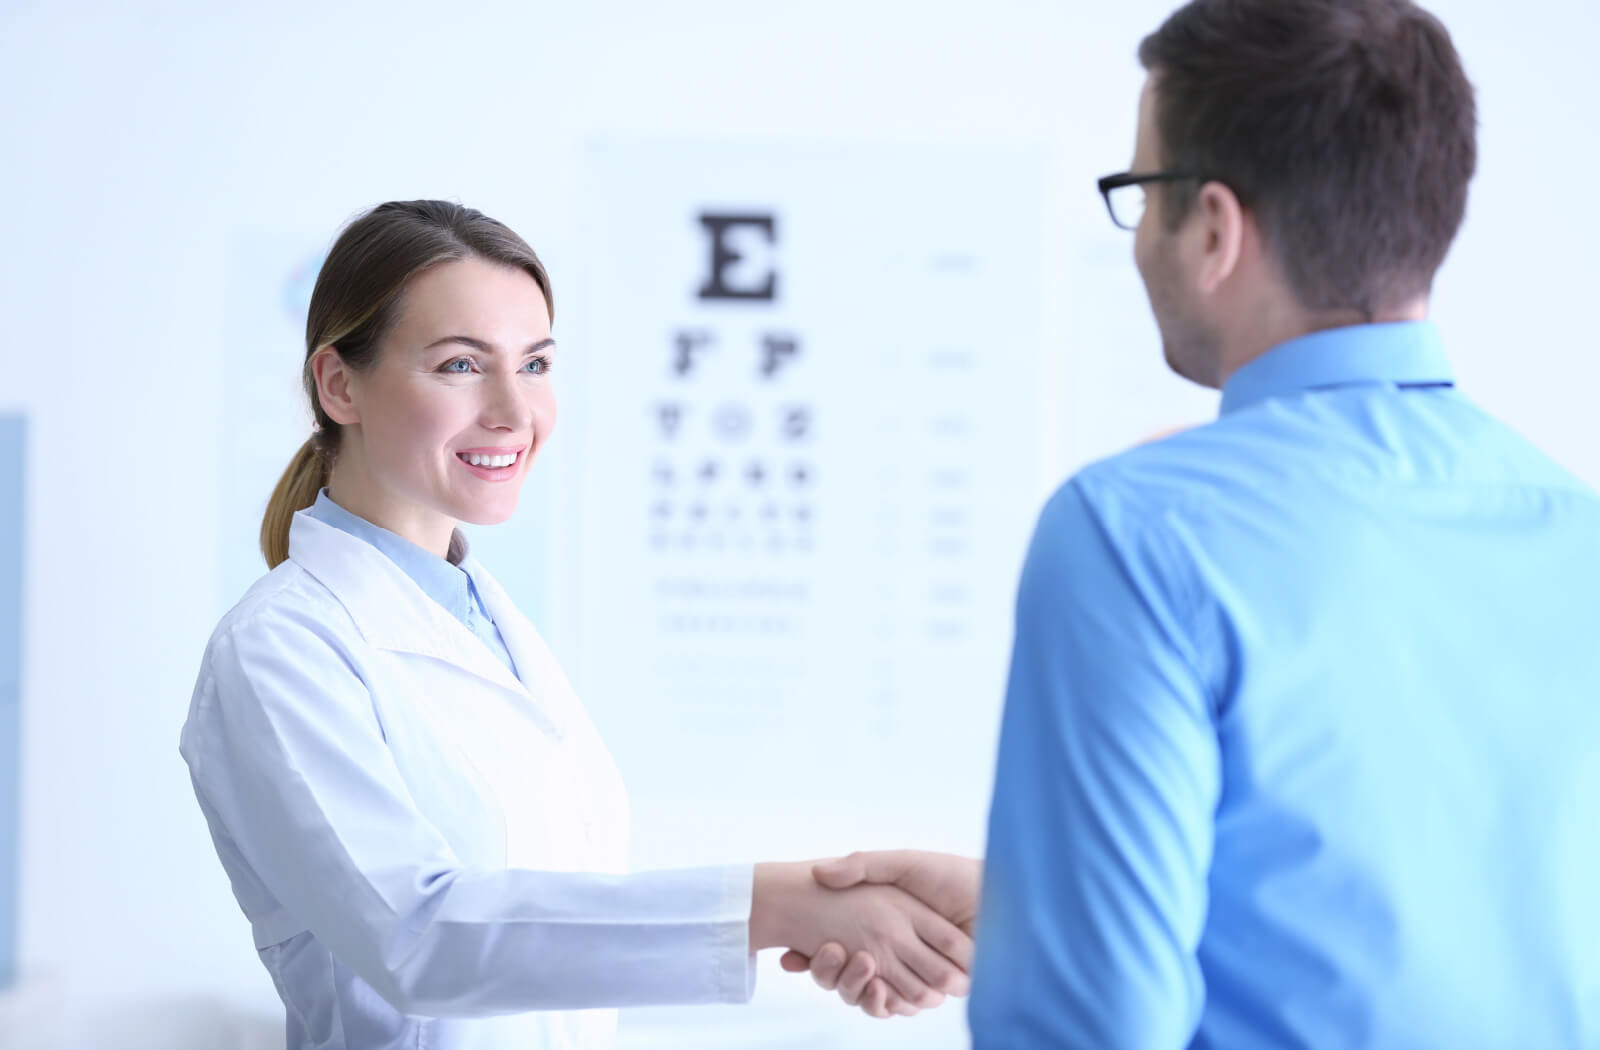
(417,816)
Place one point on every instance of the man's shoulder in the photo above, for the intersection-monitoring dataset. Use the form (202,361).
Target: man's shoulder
(1187,465)
(1356,444)
(1210,481)
(1122,500)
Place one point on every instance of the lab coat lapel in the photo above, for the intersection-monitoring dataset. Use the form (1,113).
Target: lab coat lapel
(540,674)
(388,607)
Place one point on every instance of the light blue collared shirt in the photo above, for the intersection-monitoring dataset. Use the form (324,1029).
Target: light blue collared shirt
(445,582)
(1301,745)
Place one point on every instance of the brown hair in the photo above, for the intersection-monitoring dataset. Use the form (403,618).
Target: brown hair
(1347,126)
(353,305)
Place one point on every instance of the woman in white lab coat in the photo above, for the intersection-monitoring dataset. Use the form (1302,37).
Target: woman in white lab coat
(427,836)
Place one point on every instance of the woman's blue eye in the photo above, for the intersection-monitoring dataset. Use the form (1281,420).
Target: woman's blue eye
(466,366)
(540,365)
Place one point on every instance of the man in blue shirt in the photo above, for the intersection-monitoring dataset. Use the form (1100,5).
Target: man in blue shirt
(1301,744)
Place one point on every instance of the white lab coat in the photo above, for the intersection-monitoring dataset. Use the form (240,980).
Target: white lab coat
(426,848)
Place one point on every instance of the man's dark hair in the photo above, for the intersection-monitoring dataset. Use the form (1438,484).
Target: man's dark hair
(1347,126)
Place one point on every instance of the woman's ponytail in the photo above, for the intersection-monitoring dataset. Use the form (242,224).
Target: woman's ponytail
(297,490)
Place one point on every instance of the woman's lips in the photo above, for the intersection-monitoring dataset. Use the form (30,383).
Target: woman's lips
(491,463)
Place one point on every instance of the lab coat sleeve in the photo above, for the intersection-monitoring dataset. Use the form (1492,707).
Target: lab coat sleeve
(287,752)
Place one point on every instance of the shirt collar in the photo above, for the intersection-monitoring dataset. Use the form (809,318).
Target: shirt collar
(446,582)
(1396,352)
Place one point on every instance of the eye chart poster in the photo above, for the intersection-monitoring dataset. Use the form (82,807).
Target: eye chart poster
(803,381)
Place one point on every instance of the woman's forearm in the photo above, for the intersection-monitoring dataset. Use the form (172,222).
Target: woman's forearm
(776,896)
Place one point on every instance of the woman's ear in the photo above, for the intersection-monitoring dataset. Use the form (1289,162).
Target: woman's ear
(332,378)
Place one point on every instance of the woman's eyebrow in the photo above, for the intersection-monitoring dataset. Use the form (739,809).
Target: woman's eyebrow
(483,347)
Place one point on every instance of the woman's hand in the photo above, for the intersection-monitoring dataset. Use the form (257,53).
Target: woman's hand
(854,977)
(917,954)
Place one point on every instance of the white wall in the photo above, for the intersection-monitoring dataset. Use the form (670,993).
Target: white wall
(140,141)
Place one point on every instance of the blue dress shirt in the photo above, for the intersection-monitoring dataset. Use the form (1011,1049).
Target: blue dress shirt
(1301,745)
(446,582)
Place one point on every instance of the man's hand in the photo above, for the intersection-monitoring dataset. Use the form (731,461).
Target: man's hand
(948,884)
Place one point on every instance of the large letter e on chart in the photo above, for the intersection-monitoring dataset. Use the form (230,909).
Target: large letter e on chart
(724,256)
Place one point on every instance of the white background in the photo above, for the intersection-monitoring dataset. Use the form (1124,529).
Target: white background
(143,144)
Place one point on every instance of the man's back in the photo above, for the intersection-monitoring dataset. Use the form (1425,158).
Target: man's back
(1321,744)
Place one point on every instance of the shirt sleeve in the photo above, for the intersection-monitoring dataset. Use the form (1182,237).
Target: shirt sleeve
(288,756)
(1100,830)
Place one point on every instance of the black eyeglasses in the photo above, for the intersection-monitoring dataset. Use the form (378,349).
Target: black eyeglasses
(1125,194)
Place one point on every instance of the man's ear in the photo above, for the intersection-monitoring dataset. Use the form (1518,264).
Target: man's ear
(332,378)
(1222,222)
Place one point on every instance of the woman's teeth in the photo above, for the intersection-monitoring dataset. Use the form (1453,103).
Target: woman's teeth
(488,461)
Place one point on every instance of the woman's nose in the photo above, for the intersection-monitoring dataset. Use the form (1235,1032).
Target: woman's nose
(507,405)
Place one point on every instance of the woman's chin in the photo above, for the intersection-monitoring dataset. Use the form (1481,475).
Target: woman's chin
(487,512)
(489,516)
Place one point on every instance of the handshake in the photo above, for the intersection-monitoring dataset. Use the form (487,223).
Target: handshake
(891,931)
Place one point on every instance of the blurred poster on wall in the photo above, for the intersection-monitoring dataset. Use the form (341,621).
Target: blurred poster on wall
(803,385)
(269,279)
(13,431)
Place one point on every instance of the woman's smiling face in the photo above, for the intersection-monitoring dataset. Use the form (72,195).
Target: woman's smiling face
(443,427)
